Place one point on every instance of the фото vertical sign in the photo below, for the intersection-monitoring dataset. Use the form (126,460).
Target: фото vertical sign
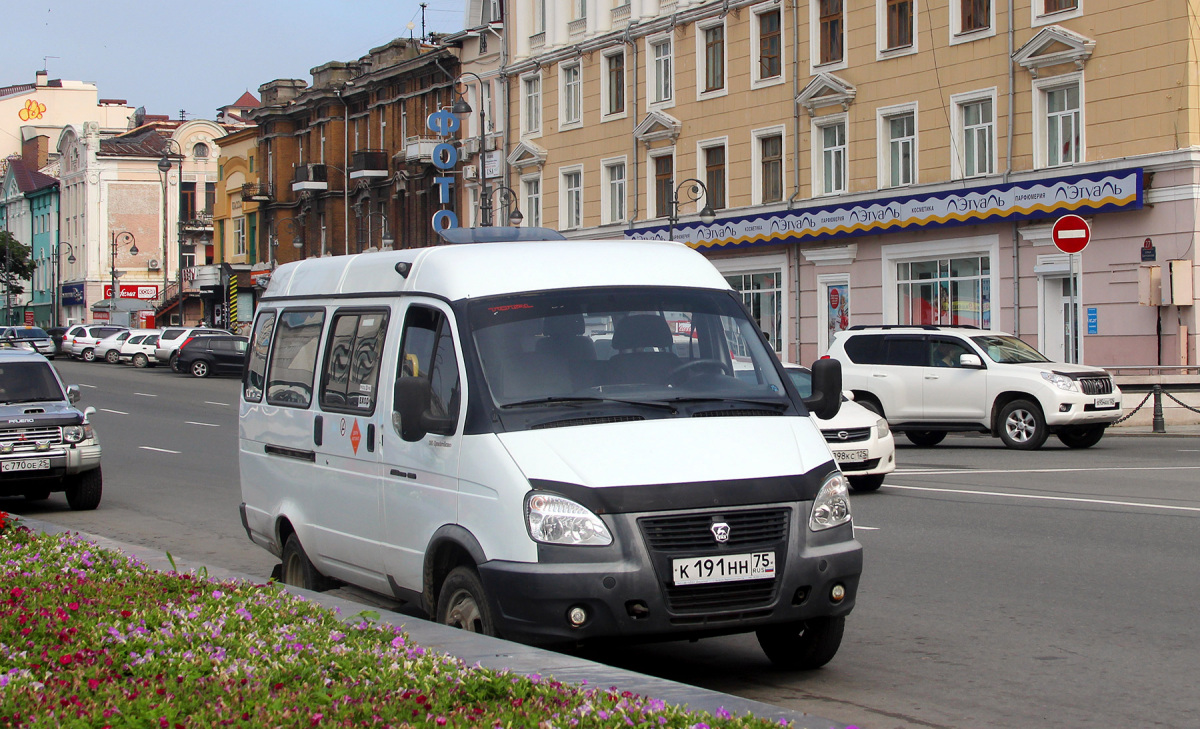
(445,158)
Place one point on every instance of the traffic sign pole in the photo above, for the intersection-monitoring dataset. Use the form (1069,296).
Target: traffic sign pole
(1071,235)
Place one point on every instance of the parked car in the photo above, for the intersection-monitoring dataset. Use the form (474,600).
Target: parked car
(171,339)
(929,381)
(216,354)
(109,348)
(33,339)
(860,439)
(80,340)
(138,349)
(46,445)
(57,334)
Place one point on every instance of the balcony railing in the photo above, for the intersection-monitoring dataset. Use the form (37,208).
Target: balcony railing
(420,149)
(620,13)
(310,177)
(256,192)
(577,27)
(199,222)
(537,40)
(369,163)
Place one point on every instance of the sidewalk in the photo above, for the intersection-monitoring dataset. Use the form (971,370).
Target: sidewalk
(486,651)
(1171,429)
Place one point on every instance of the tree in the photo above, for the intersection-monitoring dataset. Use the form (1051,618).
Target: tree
(15,268)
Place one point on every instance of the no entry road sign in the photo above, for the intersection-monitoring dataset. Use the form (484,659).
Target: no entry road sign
(1071,234)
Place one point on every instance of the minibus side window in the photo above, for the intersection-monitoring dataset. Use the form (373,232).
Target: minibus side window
(428,352)
(351,375)
(256,367)
(294,358)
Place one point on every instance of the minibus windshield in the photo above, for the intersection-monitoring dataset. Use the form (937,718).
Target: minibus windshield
(625,346)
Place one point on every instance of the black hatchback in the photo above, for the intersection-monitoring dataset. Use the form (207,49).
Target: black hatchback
(218,354)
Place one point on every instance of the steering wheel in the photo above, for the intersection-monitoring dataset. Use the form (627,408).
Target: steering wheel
(698,367)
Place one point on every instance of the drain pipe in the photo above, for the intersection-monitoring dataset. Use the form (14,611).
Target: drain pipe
(633,99)
(1016,235)
(796,107)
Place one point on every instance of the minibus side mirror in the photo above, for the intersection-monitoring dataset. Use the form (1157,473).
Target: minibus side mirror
(826,398)
(410,402)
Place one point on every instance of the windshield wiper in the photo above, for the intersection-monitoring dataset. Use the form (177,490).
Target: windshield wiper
(559,400)
(778,404)
(29,399)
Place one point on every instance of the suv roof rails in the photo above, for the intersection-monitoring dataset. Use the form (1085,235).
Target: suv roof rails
(498,234)
(928,327)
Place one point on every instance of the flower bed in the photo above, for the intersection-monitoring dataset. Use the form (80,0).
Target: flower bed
(93,638)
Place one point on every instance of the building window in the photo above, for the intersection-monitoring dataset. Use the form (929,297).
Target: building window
(662,82)
(580,9)
(901,133)
(975,15)
(771,166)
(532,106)
(900,23)
(239,236)
(539,19)
(615,88)
(1057,6)
(831,28)
(614,181)
(200,150)
(945,291)
(572,94)
(830,167)
(572,200)
(714,58)
(714,176)
(762,293)
(1063,125)
(531,188)
(978,137)
(664,178)
(770,48)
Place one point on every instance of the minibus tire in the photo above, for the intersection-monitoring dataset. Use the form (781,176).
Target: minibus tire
(803,645)
(298,570)
(866,483)
(925,438)
(463,603)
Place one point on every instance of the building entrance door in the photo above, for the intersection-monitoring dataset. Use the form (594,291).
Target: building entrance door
(1060,323)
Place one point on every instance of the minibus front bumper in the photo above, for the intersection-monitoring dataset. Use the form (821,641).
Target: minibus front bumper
(576,594)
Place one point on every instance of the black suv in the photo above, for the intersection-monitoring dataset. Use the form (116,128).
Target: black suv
(213,354)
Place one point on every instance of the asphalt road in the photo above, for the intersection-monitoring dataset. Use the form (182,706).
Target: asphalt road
(1057,588)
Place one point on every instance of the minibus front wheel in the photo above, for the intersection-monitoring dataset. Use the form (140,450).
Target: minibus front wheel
(298,570)
(803,645)
(463,603)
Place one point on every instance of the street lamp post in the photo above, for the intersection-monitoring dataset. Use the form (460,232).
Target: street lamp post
(364,212)
(695,191)
(292,223)
(121,238)
(58,278)
(462,110)
(508,201)
(164,170)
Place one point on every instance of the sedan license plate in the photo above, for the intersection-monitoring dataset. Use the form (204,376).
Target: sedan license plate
(29,464)
(723,568)
(850,456)
(1106,402)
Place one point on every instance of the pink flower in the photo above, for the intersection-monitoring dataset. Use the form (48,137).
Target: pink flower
(65,659)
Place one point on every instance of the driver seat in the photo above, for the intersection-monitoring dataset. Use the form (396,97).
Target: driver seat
(643,344)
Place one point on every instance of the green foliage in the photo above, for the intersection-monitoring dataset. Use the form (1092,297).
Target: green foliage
(15,263)
(93,638)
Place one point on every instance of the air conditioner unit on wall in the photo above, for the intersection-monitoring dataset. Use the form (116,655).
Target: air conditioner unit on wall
(152,264)
(470,172)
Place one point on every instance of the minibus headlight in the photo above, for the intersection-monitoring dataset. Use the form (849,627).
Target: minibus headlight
(73,433)
(832,505)
(553,519)
(1062,382)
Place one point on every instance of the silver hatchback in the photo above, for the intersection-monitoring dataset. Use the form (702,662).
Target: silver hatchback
(33,339)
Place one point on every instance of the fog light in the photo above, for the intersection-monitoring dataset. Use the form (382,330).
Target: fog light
(577,616)
(1065,407)
(838,593)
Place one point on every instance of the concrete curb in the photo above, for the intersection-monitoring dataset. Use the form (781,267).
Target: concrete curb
(483,650)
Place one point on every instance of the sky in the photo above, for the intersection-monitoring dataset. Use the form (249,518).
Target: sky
(199,56)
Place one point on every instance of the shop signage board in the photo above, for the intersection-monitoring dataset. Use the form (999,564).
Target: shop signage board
(147,292)
(830,219)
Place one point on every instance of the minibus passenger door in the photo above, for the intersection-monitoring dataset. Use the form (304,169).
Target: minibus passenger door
(421,440)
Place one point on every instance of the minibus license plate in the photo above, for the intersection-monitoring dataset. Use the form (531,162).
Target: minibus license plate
(850,456)
(29,464)
(723,568)
(1105,402)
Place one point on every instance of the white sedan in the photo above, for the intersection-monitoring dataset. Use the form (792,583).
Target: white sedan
(139,348)
(861,441)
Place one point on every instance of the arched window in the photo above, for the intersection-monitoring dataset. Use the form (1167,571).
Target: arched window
(200,150)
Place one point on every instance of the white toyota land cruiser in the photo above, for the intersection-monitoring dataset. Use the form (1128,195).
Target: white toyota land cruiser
(928,381)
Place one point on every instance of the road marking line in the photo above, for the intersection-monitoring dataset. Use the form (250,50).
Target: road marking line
(159,450)
(866,529)
(962,471)
(145,394)
(209,425)
(118,412)
(1037,497)
(91,386)
(222,404)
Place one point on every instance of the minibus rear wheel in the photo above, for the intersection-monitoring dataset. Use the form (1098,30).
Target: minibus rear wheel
(803,645)
(298,571)
(463,603)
